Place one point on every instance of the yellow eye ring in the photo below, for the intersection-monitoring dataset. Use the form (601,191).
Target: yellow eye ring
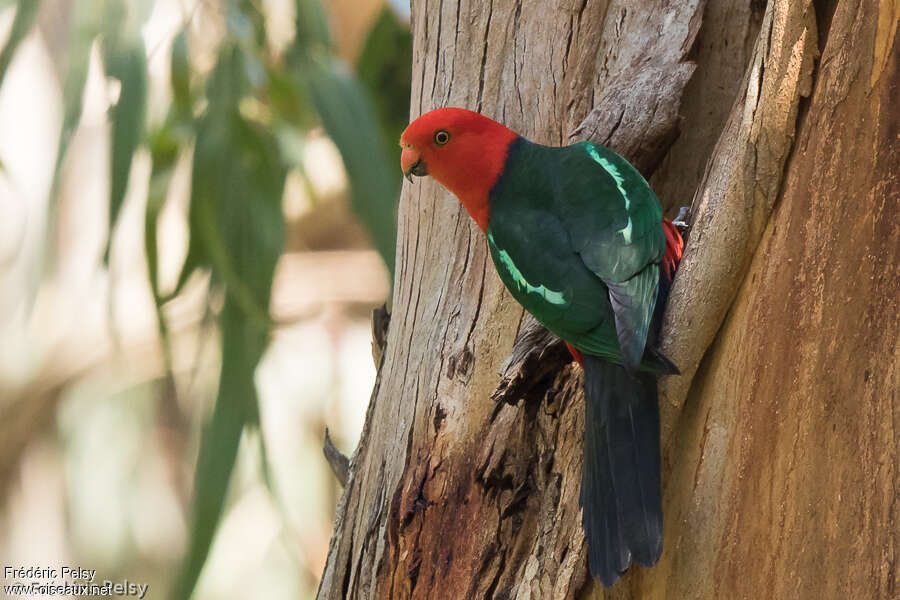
(441,137)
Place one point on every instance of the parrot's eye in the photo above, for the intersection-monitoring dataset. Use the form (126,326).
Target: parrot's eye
(441,137)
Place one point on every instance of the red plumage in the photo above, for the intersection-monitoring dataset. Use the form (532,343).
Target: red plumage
(674,248)
(470,164)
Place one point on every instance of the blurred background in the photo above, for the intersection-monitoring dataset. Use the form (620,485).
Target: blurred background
(197,219)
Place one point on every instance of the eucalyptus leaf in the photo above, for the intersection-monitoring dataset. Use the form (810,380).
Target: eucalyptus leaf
(348,118)
(218,447)
(86,24)
(128,64)
(26,11)
(87,21)
(385,70)
(238,180)
(194,260)
(312,34)
(180,74)
(160,178)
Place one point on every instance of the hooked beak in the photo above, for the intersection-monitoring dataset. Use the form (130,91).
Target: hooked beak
(412,164)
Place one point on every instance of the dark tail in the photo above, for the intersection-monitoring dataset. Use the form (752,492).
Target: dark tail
(620,485)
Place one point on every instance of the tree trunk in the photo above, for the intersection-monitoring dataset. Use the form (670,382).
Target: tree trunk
(780,472)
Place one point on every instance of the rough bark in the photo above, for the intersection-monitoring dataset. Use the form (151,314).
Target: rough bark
(437,454)
(742,181)
(780,474)
(784,466)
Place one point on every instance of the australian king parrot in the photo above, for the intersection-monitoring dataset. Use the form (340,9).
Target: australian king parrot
(578,238)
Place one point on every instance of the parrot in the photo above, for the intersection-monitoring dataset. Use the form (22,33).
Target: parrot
(578,238)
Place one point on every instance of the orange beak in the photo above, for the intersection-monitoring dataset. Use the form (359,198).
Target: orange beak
(411,164)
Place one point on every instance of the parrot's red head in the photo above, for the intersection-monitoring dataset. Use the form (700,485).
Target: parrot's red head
(463,150)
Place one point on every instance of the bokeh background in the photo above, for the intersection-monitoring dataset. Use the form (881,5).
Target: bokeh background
(196,222)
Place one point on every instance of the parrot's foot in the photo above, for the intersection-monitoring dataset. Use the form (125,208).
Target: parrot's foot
(681,221)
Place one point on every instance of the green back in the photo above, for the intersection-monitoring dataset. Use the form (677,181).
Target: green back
(576,235)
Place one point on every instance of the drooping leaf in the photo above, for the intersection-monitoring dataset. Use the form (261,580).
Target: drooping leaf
(288,100)
(156,198)
(218,449)
(347,115)
(385,70)
(160,178)
(168,141)
(164,151)
(128,64)
(236,209)
(194,260)
(312,33)
(180,75)
(26,11)
(87,22)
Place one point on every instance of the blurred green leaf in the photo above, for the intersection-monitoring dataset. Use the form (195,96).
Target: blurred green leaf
(194,260)
(249,14)
(26,11)
(87,24)
(164,145)
(385,70)
(218,448)
(312,33)
(218,248)
(348,118)
(128,64)
(288,99)
(164,151)
(160,178)
(236,193)
(180,74)
(346,112)
(88,19)
(292,143)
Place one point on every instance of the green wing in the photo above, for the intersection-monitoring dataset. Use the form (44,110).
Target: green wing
(543,273)
(576,236)
(540,268)
(622,243)
(613,216)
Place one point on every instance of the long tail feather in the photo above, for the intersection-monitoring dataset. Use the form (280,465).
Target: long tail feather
(620,488)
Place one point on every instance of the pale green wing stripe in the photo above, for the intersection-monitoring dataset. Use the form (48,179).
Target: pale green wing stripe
(551,296)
